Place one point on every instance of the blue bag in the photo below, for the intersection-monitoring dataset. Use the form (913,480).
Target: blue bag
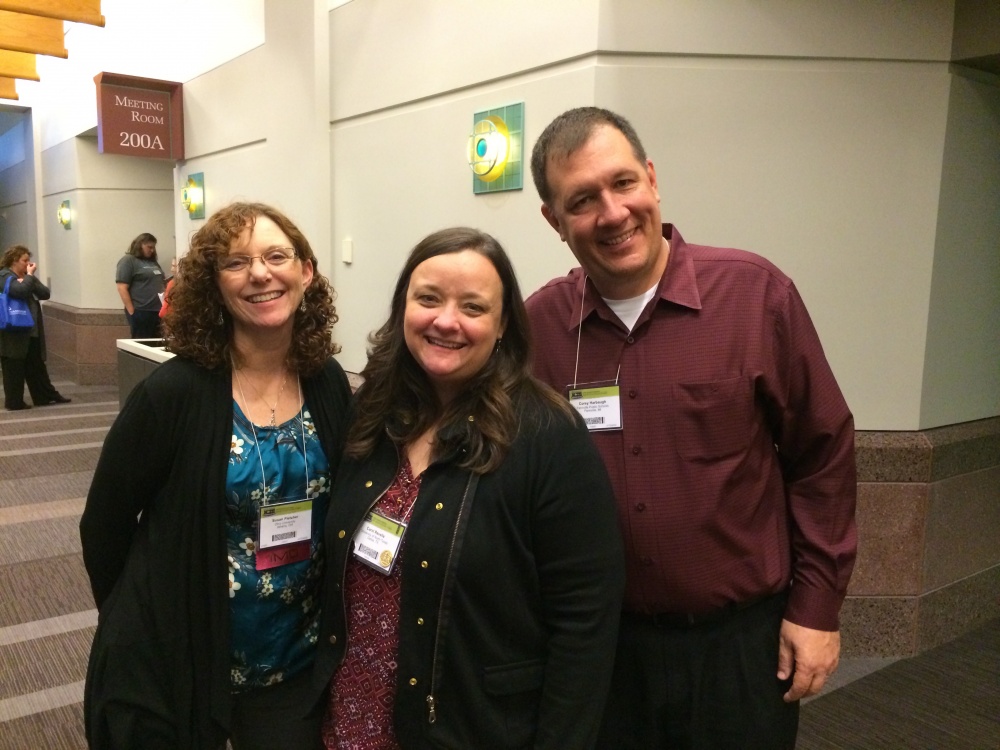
(14,313)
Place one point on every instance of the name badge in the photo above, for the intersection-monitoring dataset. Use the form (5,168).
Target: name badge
(284,533)
(377,542)
(600,406)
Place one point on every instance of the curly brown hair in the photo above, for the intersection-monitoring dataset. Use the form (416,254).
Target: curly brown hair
(398,399)
(13,254)
(197,325)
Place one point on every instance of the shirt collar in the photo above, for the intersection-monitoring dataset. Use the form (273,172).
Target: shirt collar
(678,285)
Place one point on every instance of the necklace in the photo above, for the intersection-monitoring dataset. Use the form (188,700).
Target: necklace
(272,409)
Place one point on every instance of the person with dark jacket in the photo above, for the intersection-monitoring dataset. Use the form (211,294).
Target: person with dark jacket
(475,568)
(22,352)
(202,531)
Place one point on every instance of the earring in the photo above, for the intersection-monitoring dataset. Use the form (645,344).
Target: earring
(221,320)
(302,304)
(496,347)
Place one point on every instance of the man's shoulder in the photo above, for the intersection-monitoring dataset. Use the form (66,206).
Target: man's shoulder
(554,291)
(730,260)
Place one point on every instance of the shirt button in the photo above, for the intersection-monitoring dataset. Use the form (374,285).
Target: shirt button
(420,621)
(423,563)
(630,340)
(633,393)
(368,483)
(413,680)
(636,450)
(640,507)
(439,506)
(341,534)
(333,639)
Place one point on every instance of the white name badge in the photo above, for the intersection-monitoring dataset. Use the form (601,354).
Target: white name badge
(600,406)
(377,542)
(285,523)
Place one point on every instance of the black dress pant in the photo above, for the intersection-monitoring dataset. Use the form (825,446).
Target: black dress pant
(705,687)
(30,370)
(144,324)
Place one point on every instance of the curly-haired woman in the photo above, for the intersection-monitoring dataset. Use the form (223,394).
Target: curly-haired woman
(202,533)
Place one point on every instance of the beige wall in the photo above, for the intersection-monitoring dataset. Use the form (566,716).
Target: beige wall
(811,132)
(829,135)
(961,375)
(113,198)
(258,126)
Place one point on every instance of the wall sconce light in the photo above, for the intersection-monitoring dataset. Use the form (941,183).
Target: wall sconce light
(64,215)
(193,195)
(489,145)
(494,149)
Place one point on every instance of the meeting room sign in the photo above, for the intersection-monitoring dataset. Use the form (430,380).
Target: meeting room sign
(139,117)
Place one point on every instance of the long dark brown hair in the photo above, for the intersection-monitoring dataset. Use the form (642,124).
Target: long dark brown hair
(197,325)
(397,397)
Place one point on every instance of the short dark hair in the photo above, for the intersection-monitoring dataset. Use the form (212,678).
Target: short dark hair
(135,249)
(397,396)
(13,254)
(568,132)
(195,325)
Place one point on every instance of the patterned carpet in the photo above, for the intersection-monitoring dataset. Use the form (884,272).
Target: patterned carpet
(946,699)
(47,615)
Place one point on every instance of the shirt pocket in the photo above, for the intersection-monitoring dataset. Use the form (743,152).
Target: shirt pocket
(711,420)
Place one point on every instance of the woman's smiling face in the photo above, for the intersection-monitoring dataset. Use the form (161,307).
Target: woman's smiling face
(453,318)
(261,297)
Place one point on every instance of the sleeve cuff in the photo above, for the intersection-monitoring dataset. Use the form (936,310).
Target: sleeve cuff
(814,608)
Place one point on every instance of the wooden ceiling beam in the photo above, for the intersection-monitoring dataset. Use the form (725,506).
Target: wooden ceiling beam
(24,33)
(7,88)
(80,11)
(18,65)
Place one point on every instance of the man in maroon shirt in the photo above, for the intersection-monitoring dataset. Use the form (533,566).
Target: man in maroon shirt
(727,439)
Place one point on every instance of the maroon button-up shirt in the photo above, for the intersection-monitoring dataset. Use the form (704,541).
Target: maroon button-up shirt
(734,468)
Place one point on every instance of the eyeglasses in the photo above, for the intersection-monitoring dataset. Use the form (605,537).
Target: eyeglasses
(276,257)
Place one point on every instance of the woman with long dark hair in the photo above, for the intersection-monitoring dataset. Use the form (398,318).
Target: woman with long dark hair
(476,569)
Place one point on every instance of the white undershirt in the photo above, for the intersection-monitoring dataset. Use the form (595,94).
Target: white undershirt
(629,310)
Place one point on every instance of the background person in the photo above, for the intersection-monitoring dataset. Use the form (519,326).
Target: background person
(492,625)
(140,283)
(205,631)
(728,442)
(22,352)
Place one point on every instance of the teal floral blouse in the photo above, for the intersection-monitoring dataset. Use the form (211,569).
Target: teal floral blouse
(274,613)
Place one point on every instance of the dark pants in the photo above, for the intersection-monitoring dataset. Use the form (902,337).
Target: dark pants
(30,370)
(144,324)
(286,716)
(707,687)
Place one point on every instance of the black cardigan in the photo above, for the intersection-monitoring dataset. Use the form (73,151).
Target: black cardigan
(159,667)
(510,592)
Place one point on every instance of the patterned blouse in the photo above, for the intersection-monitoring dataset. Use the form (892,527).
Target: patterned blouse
(363,696)
(274,613)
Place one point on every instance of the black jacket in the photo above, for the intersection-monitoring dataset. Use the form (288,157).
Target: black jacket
(510,592)
(159,668)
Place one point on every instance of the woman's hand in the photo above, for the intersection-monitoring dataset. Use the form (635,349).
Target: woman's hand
(31,268)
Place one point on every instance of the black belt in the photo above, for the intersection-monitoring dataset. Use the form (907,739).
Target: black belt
(679,620)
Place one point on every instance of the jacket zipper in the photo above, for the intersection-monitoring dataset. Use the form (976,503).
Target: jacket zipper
(431,701)
(343,574)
